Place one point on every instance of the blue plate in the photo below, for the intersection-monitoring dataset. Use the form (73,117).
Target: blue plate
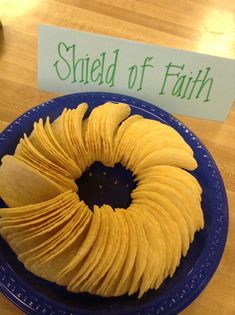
(36,296)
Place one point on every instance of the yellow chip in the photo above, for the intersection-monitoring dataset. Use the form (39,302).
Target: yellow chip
(111,252)
(167,156)
(157,253)
(119,135)
(49,172)
(42,234)
(70,271)
(142,254)
(102,125)
(108,286)
(38,208)
(24,237)
(95,253)
(173,172)
(175,197)
(171,233)
(172,211)
(126,276)
(181,181)
(77,137)
(46,143)
(143,136)
(191,202)
(58,131)
(22,185)
(49,258)
(26,150)
(145,147)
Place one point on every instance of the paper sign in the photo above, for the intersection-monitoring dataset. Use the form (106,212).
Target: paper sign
(180,82)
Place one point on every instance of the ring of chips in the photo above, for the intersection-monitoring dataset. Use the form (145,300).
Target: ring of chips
(102,251)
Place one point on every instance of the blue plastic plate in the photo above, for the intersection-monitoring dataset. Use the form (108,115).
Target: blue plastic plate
(36,296)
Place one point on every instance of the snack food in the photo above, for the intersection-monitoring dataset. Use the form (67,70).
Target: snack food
(106,251)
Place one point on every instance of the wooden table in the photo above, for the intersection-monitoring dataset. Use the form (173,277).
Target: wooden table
(201,26)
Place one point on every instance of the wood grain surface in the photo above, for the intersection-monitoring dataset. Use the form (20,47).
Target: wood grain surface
(200,26)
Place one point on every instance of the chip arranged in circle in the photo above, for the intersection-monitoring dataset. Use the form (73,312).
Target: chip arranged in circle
(102,251)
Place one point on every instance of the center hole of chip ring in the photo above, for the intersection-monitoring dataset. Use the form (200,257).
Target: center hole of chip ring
(106,185)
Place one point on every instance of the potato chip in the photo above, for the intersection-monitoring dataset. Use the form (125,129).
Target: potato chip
(75,132)
(68,273)
(95,252)
(48,171)
(102,124)
(127,274)
(157,143)
(157,254)
(142,254)
(168,156)
(173,172)
(57,132)
(22,185)
(24,236)
(181,181)
(67,128)
(143,136)
(109,283)
(172,211)
(192,203)
(46,143)
(37,236)
(170,230)
(59,241)
(64,143)
(36,209)
(47,263)
(119,135)
(175,197)
(26,150)
(110,255)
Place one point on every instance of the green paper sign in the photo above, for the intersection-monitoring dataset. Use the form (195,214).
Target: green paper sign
(178,81)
